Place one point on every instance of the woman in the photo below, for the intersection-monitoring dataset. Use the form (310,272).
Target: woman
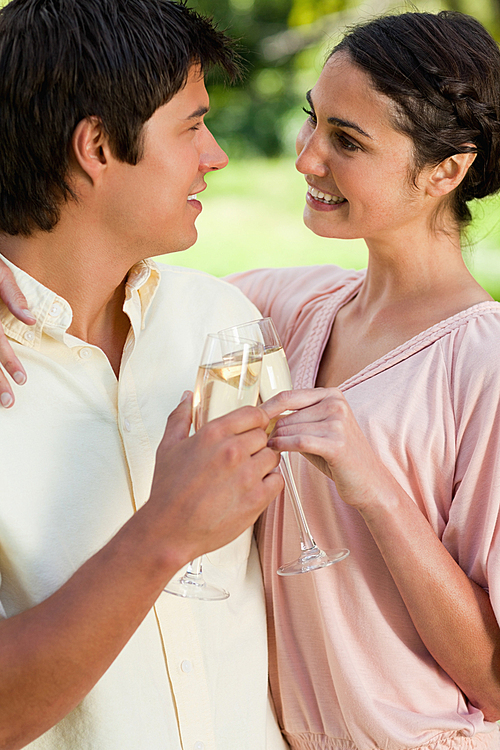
(398,646)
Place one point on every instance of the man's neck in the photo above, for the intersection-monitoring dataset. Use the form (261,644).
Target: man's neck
(91,281)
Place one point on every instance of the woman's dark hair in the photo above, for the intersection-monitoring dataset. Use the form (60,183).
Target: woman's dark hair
(443,74)
(64,60)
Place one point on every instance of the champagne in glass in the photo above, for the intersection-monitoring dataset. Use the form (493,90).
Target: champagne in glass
(275,377)
(228,378)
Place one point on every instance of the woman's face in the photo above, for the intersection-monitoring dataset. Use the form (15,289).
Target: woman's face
(356,165)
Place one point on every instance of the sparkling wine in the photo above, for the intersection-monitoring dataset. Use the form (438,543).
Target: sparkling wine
(225,386)
(275,377)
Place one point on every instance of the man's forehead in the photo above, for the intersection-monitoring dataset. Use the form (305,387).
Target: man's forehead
(192,101)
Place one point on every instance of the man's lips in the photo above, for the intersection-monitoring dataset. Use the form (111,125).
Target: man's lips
(193,198)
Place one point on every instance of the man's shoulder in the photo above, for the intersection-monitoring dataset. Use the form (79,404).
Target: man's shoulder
(192,278)
(195,290)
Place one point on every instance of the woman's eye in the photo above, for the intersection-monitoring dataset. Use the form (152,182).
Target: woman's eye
(310,114)
(345,143)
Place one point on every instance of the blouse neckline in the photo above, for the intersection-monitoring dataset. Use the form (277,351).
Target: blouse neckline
(325,318)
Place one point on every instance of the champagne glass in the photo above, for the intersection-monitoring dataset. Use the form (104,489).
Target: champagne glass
(228,377)
(275,377)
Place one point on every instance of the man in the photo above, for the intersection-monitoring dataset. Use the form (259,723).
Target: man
(103,148)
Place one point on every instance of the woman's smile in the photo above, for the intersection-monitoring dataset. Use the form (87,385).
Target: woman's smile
(320,200)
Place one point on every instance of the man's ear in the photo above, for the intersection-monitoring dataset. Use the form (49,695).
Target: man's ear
(444,178)
(90,147)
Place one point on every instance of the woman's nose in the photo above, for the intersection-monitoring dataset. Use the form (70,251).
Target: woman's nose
(309,156)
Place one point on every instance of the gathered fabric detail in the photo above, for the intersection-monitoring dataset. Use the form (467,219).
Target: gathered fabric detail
(448,741)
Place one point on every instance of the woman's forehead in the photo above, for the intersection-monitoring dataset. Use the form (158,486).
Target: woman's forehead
(345,92)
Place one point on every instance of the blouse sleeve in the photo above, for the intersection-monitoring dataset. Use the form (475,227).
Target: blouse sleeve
(472,533)
(284,293)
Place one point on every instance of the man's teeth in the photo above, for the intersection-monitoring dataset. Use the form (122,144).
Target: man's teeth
(192,197)
(324,197)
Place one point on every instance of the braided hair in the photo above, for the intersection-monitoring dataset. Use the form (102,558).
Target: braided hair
(442,71)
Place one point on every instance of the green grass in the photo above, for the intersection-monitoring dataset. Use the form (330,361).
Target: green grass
(252,217)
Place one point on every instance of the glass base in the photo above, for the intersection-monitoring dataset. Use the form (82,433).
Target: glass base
(195,587)
(312,559)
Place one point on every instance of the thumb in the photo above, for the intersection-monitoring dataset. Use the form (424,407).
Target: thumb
(179,422)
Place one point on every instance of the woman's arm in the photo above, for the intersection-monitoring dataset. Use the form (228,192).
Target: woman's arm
(15,301)
(451,613)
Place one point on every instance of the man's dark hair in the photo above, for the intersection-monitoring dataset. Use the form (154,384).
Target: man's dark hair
(65,60)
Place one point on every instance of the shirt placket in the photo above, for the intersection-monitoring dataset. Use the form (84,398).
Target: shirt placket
(186,671)
(177,625)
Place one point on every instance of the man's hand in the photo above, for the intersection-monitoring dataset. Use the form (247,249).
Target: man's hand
(14,299)
(208,488)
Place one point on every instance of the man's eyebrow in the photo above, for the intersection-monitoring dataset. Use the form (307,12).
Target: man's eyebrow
(198,113)
(338,122)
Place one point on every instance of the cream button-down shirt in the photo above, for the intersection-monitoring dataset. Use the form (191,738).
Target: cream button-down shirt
(77,459)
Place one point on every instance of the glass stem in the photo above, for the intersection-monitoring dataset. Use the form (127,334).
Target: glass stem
(307,542)
(194,569)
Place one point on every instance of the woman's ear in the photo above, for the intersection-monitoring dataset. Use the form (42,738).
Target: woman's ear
(90,147)
(444,178)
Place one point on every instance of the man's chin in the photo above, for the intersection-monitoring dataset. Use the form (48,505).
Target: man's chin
(168,250)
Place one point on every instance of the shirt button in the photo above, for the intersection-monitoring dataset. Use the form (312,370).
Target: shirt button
(29,336)
(55,310)
(186,666)
(85,352)
(126,425)
(198,746)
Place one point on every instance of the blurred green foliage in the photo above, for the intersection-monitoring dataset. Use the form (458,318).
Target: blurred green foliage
(283,44)
(254,117)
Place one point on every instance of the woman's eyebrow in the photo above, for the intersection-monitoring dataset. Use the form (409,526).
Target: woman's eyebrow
(338,122)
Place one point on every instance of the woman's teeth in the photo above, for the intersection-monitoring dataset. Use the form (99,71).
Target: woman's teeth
(192,197)
(324,197)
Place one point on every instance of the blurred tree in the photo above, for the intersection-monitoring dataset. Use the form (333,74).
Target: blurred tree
(281,43)
(247,117)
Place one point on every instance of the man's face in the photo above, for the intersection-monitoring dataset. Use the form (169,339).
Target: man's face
(148,205)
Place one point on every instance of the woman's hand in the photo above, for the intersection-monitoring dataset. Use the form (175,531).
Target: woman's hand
(323,428)
(451,613)
(14,299)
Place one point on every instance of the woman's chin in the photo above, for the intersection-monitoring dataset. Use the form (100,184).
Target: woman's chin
(329,228)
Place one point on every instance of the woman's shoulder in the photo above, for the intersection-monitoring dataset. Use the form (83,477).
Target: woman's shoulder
(472,350)
(285,290)
(325,277)
(476,330)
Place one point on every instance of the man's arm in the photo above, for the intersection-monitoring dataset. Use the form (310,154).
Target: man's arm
(207,489)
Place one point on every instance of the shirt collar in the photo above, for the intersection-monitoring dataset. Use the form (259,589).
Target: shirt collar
(54,314)
(142,283)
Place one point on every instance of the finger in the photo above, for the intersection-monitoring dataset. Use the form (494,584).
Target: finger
(331,408)
(266,460)
(241,420)
(305,443)
(6,395)
(273,485)
(13,297)
(9,360)
(292,400)
(179,422)
(236,449)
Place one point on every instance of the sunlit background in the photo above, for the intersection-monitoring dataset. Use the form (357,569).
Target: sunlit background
(252,209)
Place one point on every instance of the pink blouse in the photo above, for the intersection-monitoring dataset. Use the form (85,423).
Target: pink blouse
(348,670)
